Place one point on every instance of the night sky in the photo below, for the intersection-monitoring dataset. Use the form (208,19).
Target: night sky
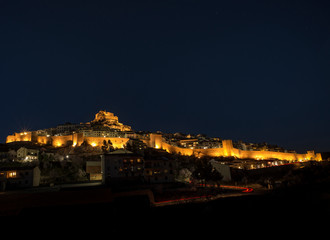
(257,71)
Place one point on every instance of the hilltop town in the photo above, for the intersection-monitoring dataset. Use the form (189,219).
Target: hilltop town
(108,153)
(73,152)
(106,128)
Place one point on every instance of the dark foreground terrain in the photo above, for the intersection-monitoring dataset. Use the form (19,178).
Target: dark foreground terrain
(295,209)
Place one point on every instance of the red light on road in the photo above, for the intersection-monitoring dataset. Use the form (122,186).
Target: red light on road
(248,190)
(245,189)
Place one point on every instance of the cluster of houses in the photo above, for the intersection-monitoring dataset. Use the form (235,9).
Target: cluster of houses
(20,167)
(120,166)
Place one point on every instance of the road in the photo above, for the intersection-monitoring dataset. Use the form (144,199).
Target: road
(11,203)
(244,189)
(207,197)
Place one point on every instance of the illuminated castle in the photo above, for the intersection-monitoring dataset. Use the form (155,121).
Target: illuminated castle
(106,127)
(108,119)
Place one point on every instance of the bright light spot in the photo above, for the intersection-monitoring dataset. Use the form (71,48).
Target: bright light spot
(94,144)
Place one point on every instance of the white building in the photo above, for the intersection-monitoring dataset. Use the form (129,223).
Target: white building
(27,154)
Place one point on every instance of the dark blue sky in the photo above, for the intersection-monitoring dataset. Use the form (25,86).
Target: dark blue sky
(243,70)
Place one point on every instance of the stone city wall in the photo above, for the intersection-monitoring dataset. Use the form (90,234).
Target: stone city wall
(228,150)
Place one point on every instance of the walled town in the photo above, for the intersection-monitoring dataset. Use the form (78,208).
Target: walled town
(109,153)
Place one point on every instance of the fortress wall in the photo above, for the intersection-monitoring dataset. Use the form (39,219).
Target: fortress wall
(229,150)
(58,141)
(177,150)
(260,155)
(98,141)
(156,141)
(212,152)
(318,157)
(77,139)
(10,138)
(17,137)
(43,139)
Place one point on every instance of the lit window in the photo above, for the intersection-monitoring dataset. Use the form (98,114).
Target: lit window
(11,174)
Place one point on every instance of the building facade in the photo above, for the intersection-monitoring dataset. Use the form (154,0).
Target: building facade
(159,170)
(121,165)
(27,154)
(94,169)
(12,177)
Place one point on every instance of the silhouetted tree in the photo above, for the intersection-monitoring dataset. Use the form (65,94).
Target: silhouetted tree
(204,171)
(105,146)
(129,146)
(111,148)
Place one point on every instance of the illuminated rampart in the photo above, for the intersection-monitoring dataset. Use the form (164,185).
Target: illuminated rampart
(17,137)
(228,150)
(59,141)
(75,139)
(156,141)
(99,141)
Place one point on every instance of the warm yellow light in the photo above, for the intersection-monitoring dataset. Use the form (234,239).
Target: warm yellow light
(74,144)
(93,144)
(157,146)
(11,174)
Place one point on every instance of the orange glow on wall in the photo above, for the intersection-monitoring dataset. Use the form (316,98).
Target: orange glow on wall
(156,141)
(16,137)
(228,150)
